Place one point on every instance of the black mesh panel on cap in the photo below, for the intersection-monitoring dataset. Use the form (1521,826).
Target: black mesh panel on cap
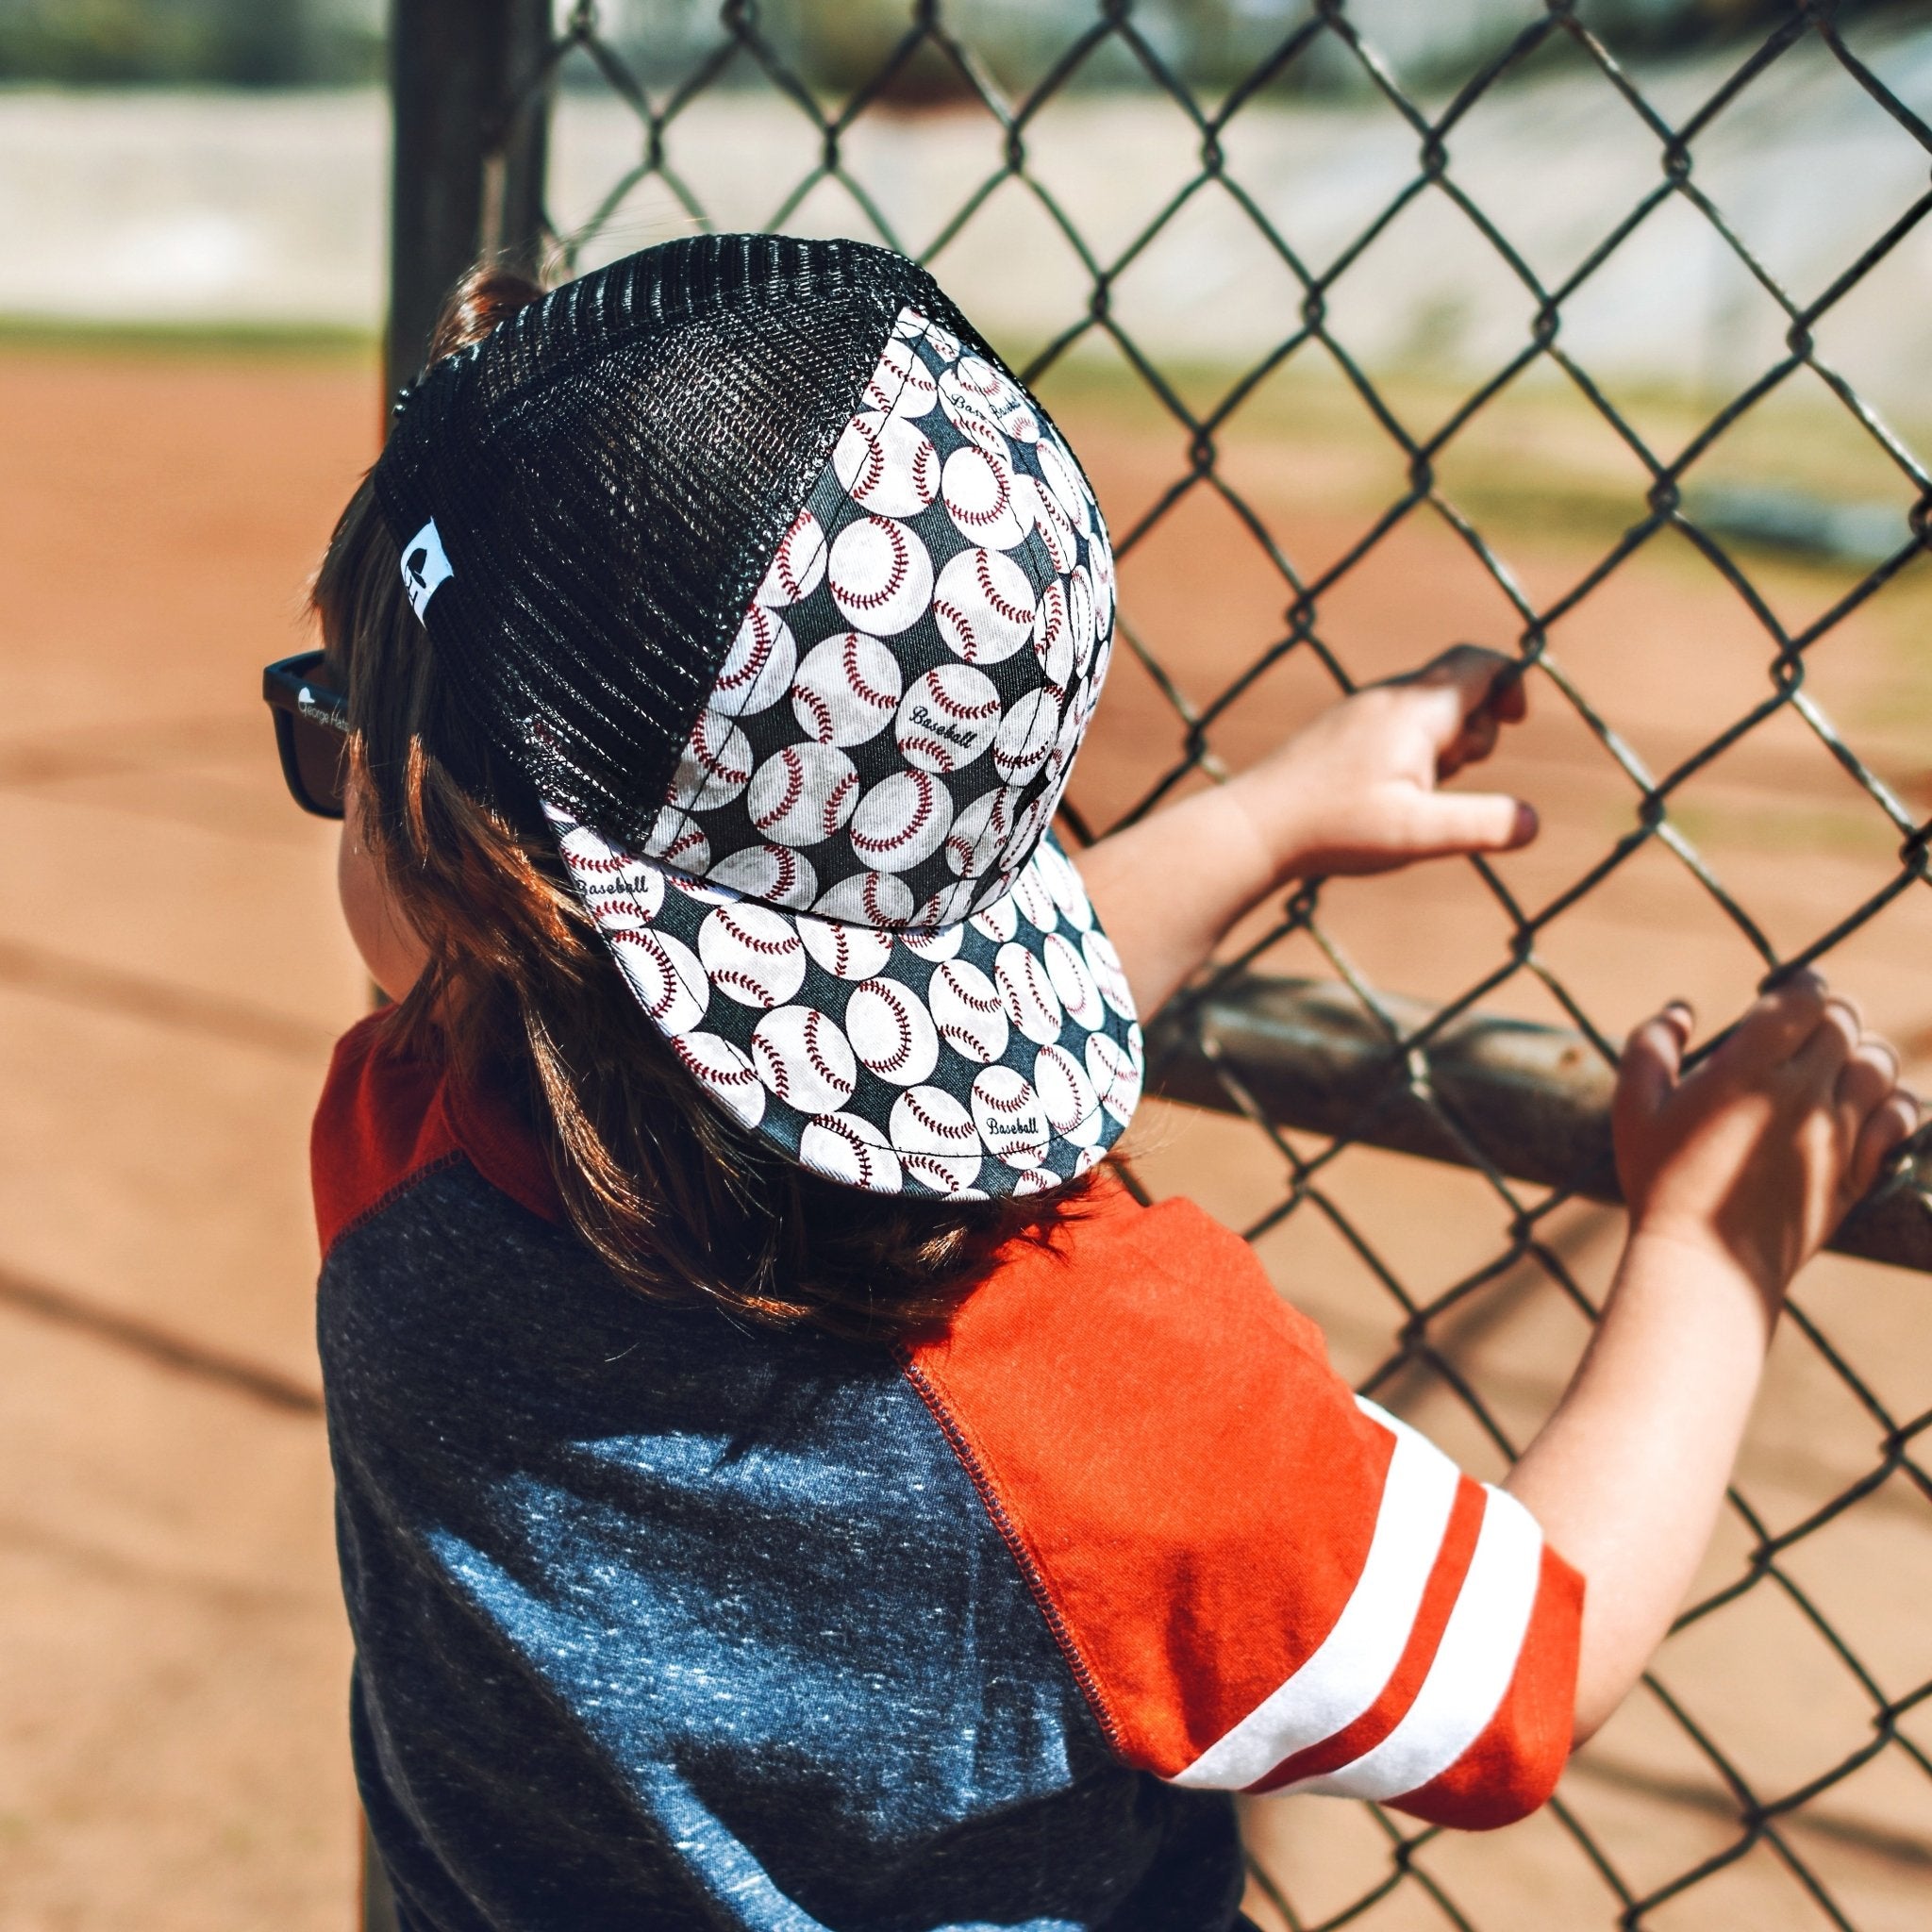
(608,474)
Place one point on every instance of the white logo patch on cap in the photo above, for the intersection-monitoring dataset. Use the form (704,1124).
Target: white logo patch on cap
(426,569)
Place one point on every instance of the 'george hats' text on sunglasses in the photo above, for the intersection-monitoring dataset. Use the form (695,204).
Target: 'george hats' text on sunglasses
(311,732)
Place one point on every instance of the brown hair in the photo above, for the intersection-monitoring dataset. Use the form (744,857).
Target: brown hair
(519,991)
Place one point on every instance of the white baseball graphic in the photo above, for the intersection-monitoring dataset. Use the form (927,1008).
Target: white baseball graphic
(1063,482)
(999,922)
(887,464)
(881,575)
(1062,880)
(1018,419)
(1053,636)
(1034,901)
(773,872)
(1103,600)
(846,1147)
(979,498)
(901,384)
(972,415)
(803,1059)
(679,841)
(796,565)
(984,605)
(1054,530)
(1080,616)
(948,906)
(1026,735)
(1030,826)
(1104,965)
(967,1010)
(667,977)
(1026,992)
(708,891)
(846,952)
(803,794)
(1080,993)
(759,666)
(948,718)
(935,1140)
(868,898)
(617,911)
(753,954)
(715,767)
(1010,1118)
(725,1072)
(980,833)
(1066,746)
(934,946)
(891,1032)
(1115,1077)
(1073,1108)
(846,690)
(990,384)
(901,820)
(616,886)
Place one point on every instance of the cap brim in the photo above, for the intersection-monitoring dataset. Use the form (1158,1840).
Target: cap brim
(998,1056)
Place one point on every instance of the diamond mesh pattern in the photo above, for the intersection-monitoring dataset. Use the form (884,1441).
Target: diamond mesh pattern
(1813,1806)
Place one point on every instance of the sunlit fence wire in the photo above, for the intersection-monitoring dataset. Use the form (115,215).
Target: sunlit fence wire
(1318,1071)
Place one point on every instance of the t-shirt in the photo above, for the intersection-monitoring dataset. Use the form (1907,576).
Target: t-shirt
(667,1620)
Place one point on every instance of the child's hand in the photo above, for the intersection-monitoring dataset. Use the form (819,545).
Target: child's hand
(1761,1149)
(1354,791)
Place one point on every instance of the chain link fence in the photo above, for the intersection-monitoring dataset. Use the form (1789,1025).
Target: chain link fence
(1693,548)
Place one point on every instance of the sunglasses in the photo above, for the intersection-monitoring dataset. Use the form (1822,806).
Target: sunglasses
(311,732)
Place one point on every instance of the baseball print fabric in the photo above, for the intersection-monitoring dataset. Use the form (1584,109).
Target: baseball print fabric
(996,1056)
(849,918)
(892,729)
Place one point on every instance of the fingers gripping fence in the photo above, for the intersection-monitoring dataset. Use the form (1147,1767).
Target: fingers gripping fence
(1774,1769)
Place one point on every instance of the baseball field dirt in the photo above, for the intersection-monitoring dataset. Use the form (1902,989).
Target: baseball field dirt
(173,1656)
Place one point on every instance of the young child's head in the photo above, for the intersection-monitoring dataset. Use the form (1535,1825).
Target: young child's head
(718,634)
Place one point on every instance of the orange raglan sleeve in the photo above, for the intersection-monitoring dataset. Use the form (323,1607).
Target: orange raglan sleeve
(1260,1582)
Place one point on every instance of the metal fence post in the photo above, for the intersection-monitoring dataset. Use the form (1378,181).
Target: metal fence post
(468,89)
(469,102)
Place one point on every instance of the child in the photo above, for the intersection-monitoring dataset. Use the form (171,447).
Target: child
(784,1479)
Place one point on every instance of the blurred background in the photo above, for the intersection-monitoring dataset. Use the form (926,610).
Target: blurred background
(194,202)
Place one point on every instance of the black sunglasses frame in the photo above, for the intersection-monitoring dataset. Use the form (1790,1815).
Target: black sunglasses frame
(298,696)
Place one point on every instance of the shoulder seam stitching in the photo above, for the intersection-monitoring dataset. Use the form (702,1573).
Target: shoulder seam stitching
(391,1194)
(968,1458)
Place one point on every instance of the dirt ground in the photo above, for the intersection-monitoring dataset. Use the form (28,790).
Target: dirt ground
(172,1650)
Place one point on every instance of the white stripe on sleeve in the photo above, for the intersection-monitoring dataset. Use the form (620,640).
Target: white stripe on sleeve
(1346,1674)
(1471,1668)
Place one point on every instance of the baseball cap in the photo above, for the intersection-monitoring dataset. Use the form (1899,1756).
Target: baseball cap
(788,604)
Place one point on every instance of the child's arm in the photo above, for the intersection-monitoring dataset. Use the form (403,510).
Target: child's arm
(1735,1175)
(1354,792)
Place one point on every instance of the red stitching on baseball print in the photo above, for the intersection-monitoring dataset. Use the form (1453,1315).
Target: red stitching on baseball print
(1012,612)
(750,941)
(812,1022)
(867,843)
(957,1130)
(794,787)
(833,815)
(902,558)
(848,658)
